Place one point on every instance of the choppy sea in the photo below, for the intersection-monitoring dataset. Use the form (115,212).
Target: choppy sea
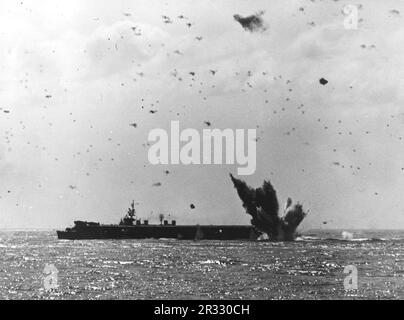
(36,265)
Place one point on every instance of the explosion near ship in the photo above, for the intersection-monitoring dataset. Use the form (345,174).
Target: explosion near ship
(260,203)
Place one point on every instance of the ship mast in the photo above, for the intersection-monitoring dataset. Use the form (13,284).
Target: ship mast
(130,217)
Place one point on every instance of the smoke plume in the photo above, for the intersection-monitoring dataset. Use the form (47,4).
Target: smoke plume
(262,205)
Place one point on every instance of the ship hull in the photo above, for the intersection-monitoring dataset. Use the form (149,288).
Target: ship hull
(158,232)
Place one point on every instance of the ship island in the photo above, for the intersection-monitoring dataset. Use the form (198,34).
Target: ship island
(130,227)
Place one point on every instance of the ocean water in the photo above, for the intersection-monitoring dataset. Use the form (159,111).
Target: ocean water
(36,265)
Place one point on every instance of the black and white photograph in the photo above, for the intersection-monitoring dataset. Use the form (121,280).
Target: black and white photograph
(219,151)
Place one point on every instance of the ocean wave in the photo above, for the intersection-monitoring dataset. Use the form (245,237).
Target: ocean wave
(313,238)
(218,262)
(307,238)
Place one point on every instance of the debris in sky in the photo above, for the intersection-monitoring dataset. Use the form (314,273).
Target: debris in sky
(192,206)
(395,12)
(323,81)
(133,125)
(166,19)
(207,123)
(252,23)
(157,184)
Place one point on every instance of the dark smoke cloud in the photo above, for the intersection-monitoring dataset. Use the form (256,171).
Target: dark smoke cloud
(251,23)
(262,204)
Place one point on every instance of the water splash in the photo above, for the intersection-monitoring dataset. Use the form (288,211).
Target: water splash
(347,235)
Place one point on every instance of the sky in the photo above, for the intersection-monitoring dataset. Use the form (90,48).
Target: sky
(74,76)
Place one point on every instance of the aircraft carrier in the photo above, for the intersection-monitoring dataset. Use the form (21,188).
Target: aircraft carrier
(132,228)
